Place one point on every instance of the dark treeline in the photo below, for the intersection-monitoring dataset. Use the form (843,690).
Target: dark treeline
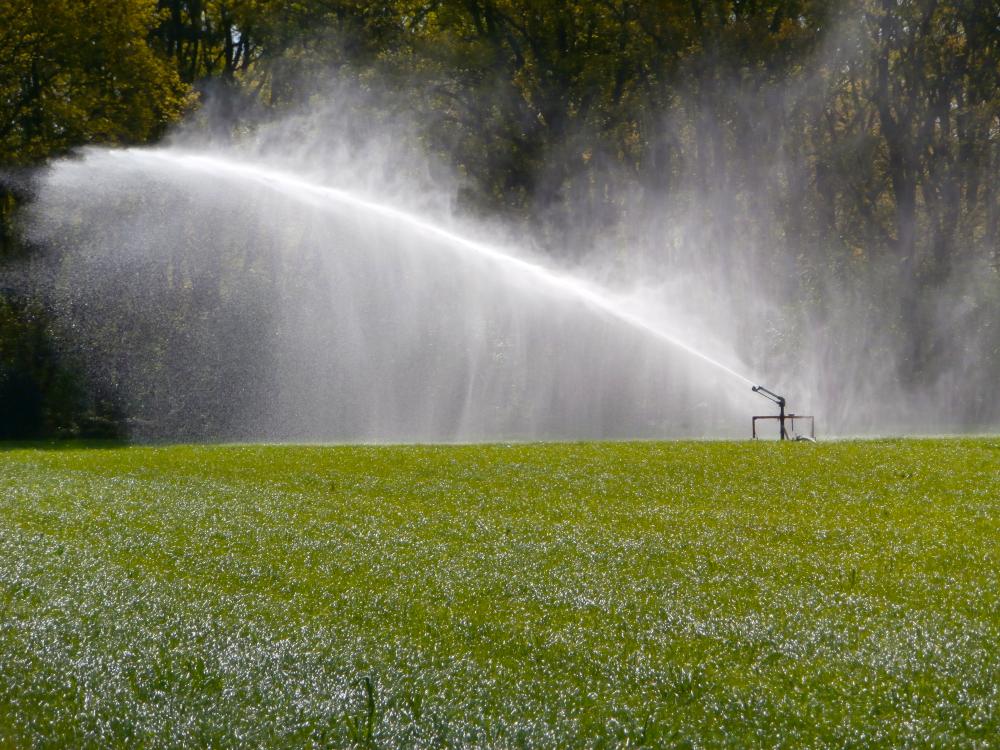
(844,136)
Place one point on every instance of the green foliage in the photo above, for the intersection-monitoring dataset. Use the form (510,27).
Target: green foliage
(684,594)
(847,140)
(35,393)
(41,395)
(76,72)
(72,72)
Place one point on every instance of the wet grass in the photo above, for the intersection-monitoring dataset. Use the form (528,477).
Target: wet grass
(681,594)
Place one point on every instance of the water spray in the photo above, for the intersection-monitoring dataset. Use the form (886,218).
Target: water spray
(786,434)
(483,410)
(287,183)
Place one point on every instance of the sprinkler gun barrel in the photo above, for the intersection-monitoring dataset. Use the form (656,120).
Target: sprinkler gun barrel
(770,395)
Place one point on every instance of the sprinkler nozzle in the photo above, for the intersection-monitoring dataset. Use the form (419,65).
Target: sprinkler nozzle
(769,395)
(782,417)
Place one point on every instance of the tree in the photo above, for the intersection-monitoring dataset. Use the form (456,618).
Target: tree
(74,72)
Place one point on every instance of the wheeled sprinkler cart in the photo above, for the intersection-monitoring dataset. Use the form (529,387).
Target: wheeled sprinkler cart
(786,422)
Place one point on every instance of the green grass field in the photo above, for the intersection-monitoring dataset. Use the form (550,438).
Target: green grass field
(680,594)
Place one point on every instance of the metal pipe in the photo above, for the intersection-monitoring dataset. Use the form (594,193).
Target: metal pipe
(780,401)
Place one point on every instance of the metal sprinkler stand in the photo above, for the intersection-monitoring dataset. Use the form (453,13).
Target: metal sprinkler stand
(782,417)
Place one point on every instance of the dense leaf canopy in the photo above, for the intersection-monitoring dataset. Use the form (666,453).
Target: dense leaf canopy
(81,72)
(848,137)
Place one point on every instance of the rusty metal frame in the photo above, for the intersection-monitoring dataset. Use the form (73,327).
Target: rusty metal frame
(787,418)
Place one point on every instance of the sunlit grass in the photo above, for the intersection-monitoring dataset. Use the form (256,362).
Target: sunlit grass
(704,594)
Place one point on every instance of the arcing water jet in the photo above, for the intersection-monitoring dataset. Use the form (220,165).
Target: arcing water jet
(266,305)
(596,298)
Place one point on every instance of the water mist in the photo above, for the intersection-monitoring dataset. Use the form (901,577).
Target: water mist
(227,295)
(314,280)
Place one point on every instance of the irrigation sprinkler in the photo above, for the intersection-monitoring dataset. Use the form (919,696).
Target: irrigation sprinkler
(782,417)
